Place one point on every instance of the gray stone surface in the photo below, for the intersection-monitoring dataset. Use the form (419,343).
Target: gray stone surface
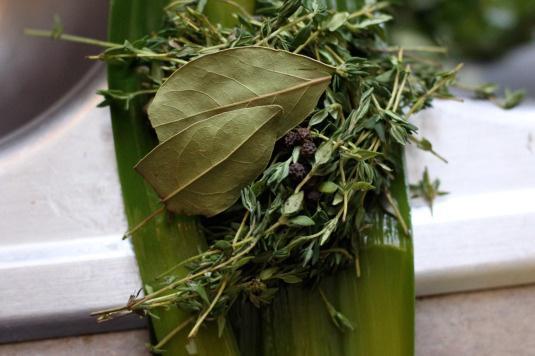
(131,343)
(488,323)
(491,323)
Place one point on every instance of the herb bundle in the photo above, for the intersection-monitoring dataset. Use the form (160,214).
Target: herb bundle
(295,171)
(301,219)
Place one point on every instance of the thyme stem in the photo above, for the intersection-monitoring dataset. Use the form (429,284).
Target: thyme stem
(197,325)
(368,9)
(70,38)
(238,232)
(284,28)
(307,42)
(439,84)
(168,337)
(399,217)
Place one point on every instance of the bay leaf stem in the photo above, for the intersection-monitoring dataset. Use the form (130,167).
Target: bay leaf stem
(144,221)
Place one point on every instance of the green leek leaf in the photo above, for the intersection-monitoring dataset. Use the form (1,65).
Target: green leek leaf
(164,241)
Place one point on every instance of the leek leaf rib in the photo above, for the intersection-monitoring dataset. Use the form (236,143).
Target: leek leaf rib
(379,303)
(244,317)
(166,239)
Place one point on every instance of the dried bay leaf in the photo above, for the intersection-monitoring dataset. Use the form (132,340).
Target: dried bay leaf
(201,169)
(237,78)
(218,118)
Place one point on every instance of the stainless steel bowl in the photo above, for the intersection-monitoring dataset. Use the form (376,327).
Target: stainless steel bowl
(36,73)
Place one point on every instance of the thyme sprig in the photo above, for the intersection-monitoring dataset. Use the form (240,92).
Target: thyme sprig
(302,218)
(426,189)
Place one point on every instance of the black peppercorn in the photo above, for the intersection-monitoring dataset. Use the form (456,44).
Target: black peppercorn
(303,134)
(290,139)
(308,148)
(297,171)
